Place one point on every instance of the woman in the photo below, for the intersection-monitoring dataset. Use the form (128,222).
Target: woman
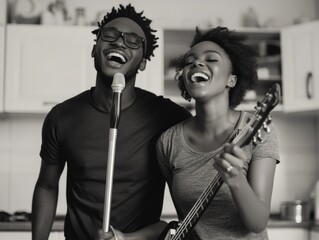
(216,72)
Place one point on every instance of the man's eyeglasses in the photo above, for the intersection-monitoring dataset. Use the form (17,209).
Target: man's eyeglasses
(130,40)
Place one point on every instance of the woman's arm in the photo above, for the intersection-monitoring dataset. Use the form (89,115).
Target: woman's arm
(251,193)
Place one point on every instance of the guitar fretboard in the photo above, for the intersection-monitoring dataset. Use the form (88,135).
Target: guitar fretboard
(198,209)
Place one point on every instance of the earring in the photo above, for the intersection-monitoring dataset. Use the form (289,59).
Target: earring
(232,82)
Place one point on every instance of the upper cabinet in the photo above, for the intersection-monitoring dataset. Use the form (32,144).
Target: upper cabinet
(265,42)
(151,78)
(300,67)
(46,65)
(2,36)
(2,47)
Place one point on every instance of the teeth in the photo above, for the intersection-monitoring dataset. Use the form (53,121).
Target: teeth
(115,54)
(197,77)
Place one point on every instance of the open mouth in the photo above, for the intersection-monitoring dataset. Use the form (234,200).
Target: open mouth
(199,77)
(116,57)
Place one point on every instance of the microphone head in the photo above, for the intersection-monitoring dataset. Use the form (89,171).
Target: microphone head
(118,83)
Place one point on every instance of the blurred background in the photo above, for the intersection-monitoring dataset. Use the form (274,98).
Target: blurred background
(45,48)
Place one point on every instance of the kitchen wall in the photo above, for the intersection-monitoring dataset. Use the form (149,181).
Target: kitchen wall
(20,142)
(187,14)
(20,134)
(181,13)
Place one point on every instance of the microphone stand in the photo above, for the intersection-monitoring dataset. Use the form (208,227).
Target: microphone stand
(118,85)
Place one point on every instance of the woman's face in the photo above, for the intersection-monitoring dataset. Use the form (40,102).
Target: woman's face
(207,71)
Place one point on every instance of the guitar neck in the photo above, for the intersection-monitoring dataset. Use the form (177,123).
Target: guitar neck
(198,209)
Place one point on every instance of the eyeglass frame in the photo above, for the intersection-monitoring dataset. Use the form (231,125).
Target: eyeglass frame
(122,35)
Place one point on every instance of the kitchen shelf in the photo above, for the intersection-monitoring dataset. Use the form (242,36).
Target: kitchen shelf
(266,43)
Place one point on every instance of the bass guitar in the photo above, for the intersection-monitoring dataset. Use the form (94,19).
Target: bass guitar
(252,131)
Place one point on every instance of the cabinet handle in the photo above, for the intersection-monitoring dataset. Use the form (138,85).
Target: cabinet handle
(308,85)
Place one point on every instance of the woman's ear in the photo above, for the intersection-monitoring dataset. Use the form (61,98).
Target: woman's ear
(232,81)
(93,50)
(142,64)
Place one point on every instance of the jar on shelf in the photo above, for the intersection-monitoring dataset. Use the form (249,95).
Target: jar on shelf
(80,18)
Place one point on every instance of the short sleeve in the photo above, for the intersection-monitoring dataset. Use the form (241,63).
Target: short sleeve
(162,159)
(268,147)
(50,147)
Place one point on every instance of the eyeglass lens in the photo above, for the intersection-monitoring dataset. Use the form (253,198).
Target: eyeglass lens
(131,40)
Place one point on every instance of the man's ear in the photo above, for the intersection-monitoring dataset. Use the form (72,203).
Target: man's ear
(232,81)
(142,64)
(93,50)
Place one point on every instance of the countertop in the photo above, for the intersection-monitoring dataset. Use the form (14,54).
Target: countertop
(274,222)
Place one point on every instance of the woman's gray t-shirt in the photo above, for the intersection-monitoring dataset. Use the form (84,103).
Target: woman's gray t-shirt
(189,172)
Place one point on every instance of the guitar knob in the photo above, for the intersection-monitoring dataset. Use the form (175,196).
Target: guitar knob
(266,127)
(259,137)
(257,108)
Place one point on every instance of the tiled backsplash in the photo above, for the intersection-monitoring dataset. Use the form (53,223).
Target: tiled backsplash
(20,141)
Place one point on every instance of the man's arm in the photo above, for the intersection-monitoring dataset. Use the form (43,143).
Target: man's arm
(45,199)
(150,232)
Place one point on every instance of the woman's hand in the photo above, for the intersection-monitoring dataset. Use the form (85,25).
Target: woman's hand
(231,164)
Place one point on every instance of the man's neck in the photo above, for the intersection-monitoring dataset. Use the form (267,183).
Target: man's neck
(103,94)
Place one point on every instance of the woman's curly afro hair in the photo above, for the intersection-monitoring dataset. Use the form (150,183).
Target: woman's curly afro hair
(242,57)
(129,12)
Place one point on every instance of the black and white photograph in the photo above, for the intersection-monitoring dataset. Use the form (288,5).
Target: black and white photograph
(159,120)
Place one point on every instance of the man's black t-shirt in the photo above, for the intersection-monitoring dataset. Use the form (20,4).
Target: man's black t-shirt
(76,132)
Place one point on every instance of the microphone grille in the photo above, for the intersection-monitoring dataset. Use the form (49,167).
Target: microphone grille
(118,83)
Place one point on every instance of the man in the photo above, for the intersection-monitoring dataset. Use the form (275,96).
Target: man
(76,132)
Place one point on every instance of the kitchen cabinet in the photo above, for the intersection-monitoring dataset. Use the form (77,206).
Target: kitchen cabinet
(48,64)
(314,232)
(266,42)
(314,235)
(288,233)
(300,67)
(2,46)
(8,235)
(2,31)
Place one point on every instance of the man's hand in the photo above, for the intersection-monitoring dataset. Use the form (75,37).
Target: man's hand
(111,235)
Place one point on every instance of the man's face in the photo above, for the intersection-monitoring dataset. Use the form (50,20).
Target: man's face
(115,53)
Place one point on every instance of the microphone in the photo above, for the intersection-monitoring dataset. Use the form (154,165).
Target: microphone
(118,85)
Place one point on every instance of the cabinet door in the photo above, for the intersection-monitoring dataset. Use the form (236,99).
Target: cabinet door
(300,62)
(314,234)
(27,235)
(288,233)
(2,31)
(15,235)
(3,19)
(152,78)
(46,65)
